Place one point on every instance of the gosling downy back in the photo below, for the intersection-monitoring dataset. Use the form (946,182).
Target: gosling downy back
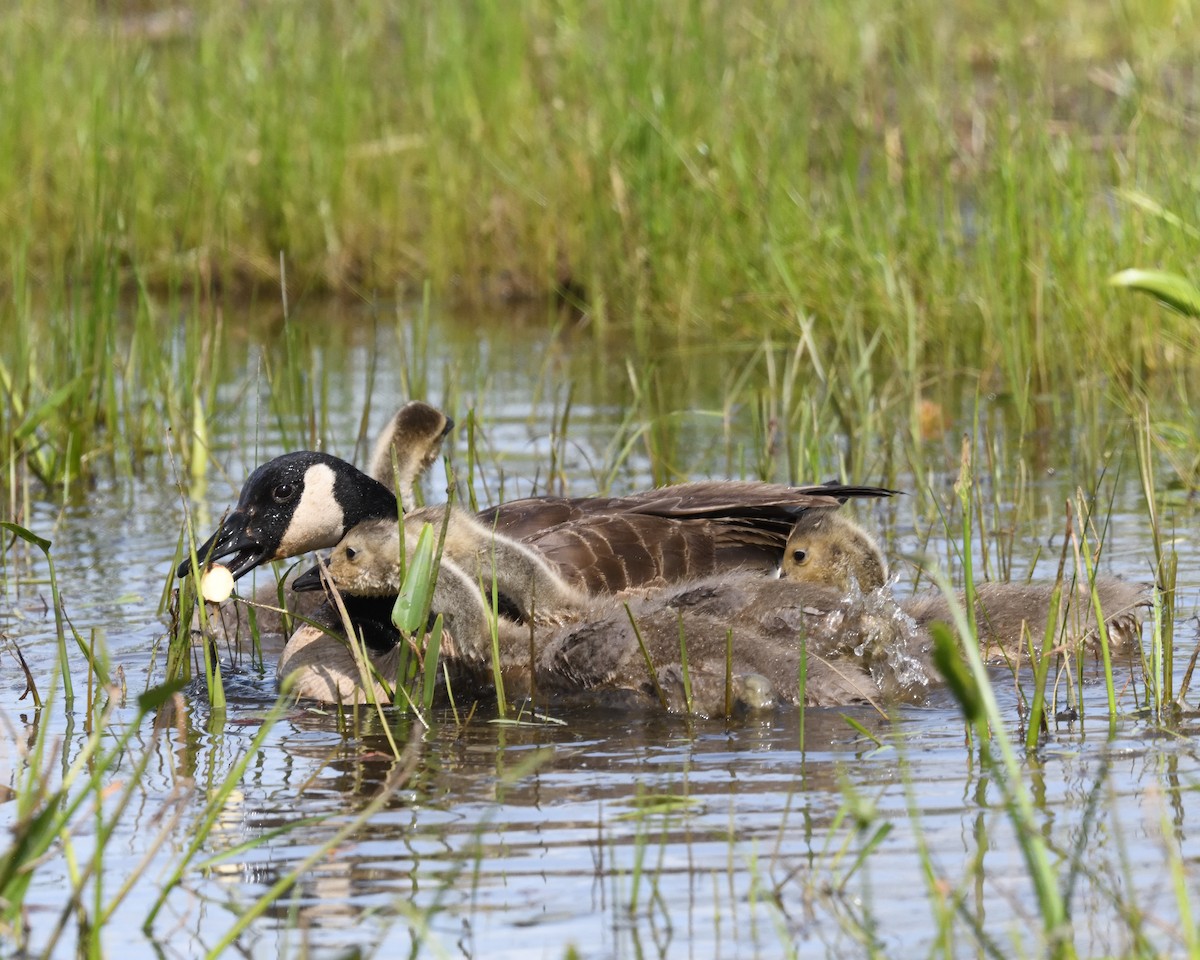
(858,649)
(1006,612)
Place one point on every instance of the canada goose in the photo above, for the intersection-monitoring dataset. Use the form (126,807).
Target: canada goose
(405,448)
(829,548)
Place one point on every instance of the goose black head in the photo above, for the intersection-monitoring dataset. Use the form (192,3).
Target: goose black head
(292,504)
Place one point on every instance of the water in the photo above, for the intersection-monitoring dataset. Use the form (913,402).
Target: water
(524,840)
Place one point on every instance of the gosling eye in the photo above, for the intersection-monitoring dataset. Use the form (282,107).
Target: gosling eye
(283,493)
(799,556)
(351,553)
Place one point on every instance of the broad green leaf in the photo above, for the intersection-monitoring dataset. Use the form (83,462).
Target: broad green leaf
(949,663)
(1169,288)
(27,535)
(409,612)
(155,697)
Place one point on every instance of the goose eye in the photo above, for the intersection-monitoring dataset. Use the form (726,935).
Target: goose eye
(283,493)
(799,556)
(351,553)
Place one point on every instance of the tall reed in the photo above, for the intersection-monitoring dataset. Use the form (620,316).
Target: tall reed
(734,177)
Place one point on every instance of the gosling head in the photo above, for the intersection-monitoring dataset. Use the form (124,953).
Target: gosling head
(365,563)
(828,548)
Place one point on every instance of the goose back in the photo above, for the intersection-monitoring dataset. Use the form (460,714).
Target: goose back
(611,553)
(668,535)
(772,506)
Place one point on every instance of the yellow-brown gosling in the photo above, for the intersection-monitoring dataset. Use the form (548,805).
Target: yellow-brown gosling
(829,548)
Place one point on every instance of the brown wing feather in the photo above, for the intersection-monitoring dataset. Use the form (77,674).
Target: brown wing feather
(608,554)
(682,532)
(523,518)
(714,499)
(744,498)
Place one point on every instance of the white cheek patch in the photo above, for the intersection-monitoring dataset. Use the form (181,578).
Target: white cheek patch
(317,520)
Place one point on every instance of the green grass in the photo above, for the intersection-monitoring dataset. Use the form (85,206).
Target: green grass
(840,879)
(930,189)
(821,237)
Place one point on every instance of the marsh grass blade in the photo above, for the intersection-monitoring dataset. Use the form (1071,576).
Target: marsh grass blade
(1166,567)
(683,662)
(1041,660)
(64,663)
(650,671)
(972,687)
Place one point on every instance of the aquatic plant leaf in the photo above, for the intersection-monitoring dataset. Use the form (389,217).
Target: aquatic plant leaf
(1168,288)
(949,663)
(862,731)
(48,406)
(155,697)
(409,612)
(429,666)
(27,535)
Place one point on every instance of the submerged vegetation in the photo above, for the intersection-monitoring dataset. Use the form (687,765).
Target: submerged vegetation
(767,239)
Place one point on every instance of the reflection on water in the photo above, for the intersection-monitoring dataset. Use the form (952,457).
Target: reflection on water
(510,840)
(624,835)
